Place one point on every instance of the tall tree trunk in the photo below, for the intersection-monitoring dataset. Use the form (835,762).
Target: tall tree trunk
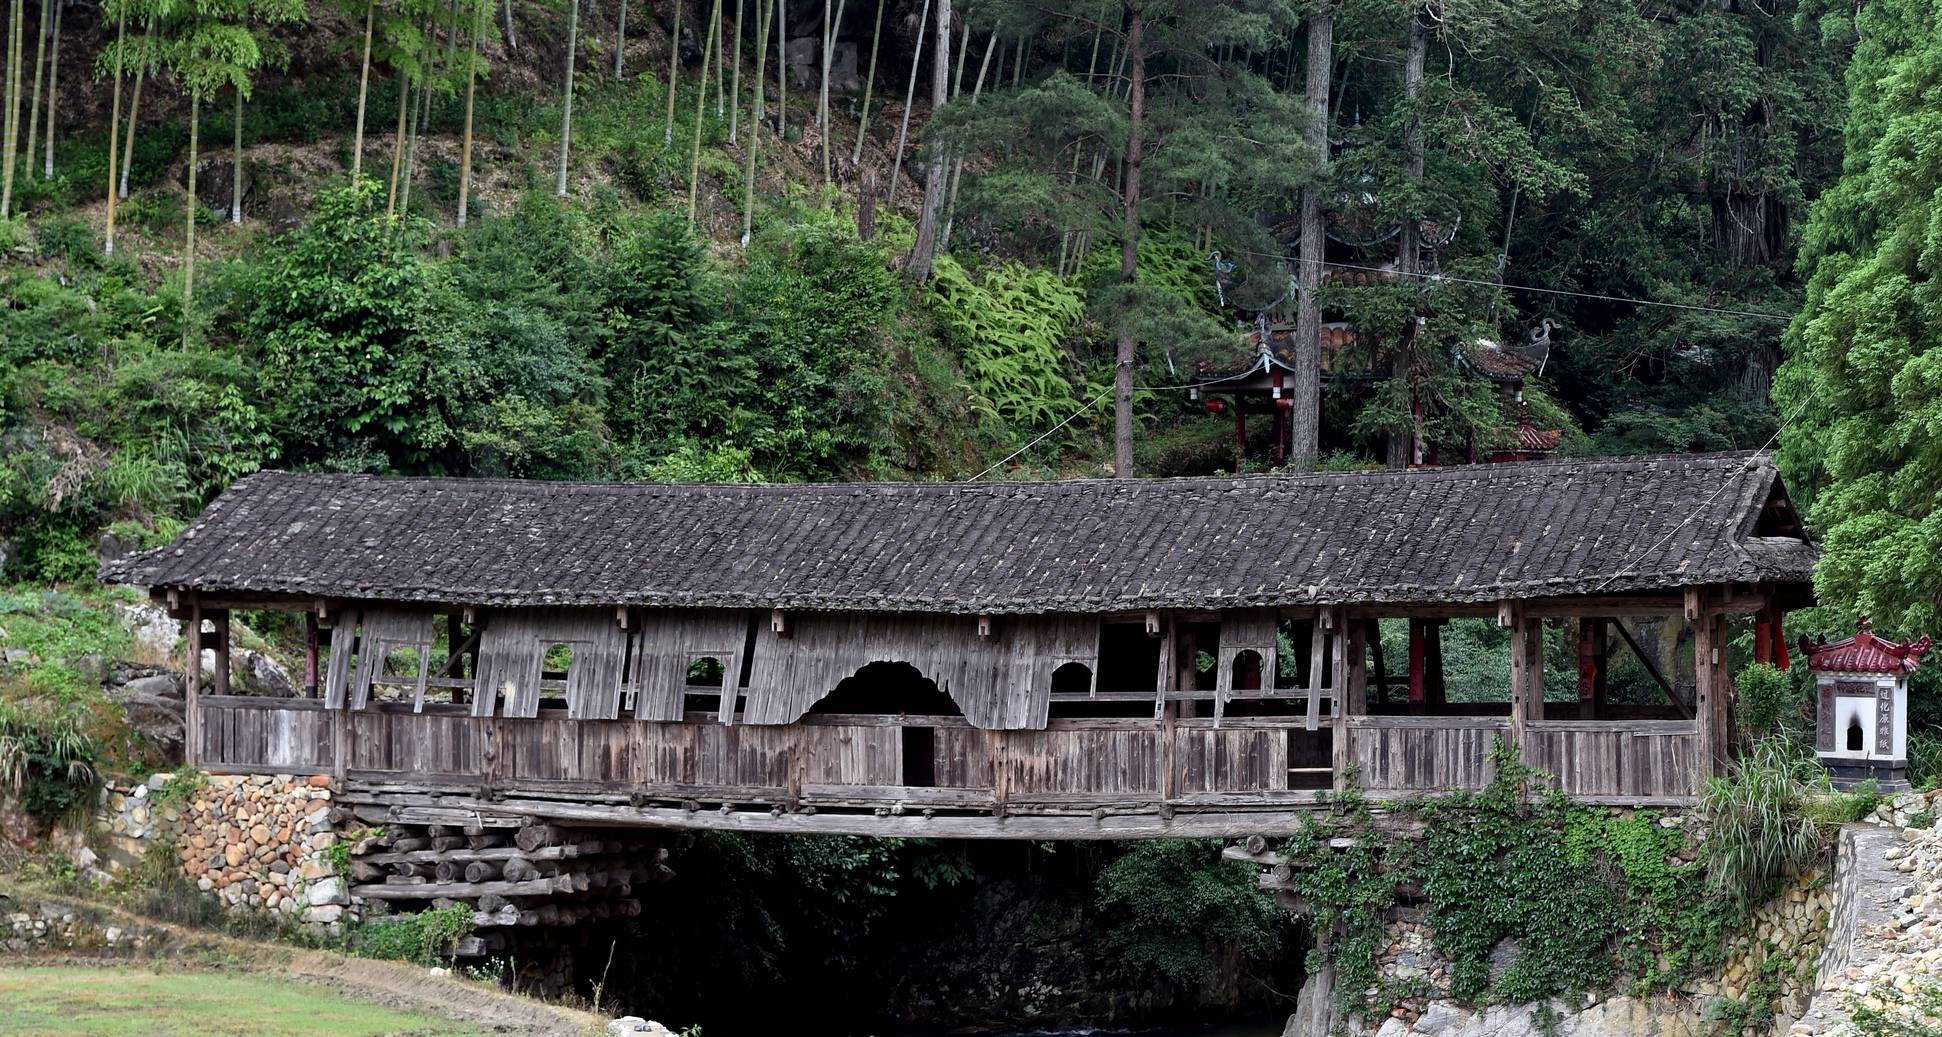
(1129,246)
(735,80)
(620,39)
(1018,60)
(42,26)
(721,60)
(512,40)
(471,81)
(910,95)
(869,87)
(674,73)
(822,99)
(134,109)
(114,119)
(236,164)
(53,94)
(701,110)
(398,140)
(11,151)
(782,69)
(363,91)
(957,164)
(937,169)
(189,236)
(1402,441)
(762,18)
(1304,426)
(566,114)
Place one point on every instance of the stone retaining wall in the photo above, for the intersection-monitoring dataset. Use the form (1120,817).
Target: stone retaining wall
(47,926)
(257,843)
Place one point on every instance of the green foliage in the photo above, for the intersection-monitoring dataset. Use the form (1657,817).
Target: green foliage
(1768,696)
(184,786)
(1012,326)
(1895,1014)
(48,760)
(1581,895)
(1862,365)
(425,937)
(1758,832)
(1173,903)
(1834,809)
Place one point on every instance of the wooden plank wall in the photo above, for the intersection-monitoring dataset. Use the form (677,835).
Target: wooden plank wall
(668,641)
(512,651)
(1644,759)
(1000,683)
(239,733)
(1419,755)
(381,630)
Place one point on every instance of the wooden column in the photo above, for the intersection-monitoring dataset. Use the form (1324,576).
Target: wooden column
(1418,665)
(310,655)
(1712,691)
(1433,690)
(192,687)
(1592,640)
(1372,633)
(1353,701)
(1526,672)
(219,680)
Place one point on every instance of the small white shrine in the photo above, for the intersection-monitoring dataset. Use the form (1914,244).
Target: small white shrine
(1861,706)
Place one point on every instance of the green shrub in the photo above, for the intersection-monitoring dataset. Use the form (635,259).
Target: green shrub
(1172,903)
(48,760)
(1767,698)
(425,937)
(1759,831)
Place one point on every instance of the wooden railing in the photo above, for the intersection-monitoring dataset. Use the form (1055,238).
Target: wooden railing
(864,761)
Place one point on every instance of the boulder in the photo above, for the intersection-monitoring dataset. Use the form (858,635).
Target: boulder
(149,624)
(258,674)
(634,1024)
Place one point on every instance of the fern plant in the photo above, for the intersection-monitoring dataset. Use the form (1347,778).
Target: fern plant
(1011,326)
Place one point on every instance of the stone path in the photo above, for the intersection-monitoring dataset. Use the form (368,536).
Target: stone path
(1885,941)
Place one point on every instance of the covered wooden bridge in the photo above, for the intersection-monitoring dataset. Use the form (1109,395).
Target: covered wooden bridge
(1080,659)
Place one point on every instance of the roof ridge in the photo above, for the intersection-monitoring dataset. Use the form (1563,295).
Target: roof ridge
(1488,470)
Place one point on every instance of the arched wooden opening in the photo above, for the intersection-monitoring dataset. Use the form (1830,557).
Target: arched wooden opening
(1247,670)
(885,687)
(1072,679)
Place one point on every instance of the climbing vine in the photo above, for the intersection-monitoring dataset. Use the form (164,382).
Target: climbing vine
(1530,897)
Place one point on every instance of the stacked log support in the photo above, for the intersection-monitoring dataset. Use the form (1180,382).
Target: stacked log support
(534,875)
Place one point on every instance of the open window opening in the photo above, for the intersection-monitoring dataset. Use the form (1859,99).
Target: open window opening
(1311,758)
(397,677)
(888,689)
(1073,696)
(454,662)
(703,693)
(555,667)
(920,756)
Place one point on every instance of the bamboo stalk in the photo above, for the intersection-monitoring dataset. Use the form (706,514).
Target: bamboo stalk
(674,71)
(869,86)
(189,249)
(755,126)
(363,92)
(566,115)
(42,25)
(465,144)
(701,110)
(121,24)
(134,110)
(910,95)
(735,79)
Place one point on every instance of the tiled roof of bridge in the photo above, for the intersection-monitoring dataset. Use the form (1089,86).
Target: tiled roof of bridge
(1475,533)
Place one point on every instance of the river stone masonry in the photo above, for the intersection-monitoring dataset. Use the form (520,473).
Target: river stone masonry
(257,843)
(1886,949)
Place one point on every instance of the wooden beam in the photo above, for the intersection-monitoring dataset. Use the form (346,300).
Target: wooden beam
(1651,667)
(219,680)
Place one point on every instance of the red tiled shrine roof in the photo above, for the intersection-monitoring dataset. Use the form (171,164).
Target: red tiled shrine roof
(1865,653)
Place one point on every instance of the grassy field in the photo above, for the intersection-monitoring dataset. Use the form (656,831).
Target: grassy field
(105,1002)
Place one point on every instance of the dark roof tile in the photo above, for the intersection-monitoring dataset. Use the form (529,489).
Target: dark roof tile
(1475,533)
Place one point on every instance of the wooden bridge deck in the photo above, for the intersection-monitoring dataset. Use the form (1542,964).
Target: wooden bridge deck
(923,775)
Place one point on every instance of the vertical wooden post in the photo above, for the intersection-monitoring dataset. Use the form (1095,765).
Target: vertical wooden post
(1526,676)
(219,681)
(1353,701)
(1372,633)
(310,655)
(1713,686)
(1418,666)
(1433,690)
(192,688)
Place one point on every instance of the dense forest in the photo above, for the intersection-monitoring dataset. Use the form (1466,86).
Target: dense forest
(893,239)
(947,239)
